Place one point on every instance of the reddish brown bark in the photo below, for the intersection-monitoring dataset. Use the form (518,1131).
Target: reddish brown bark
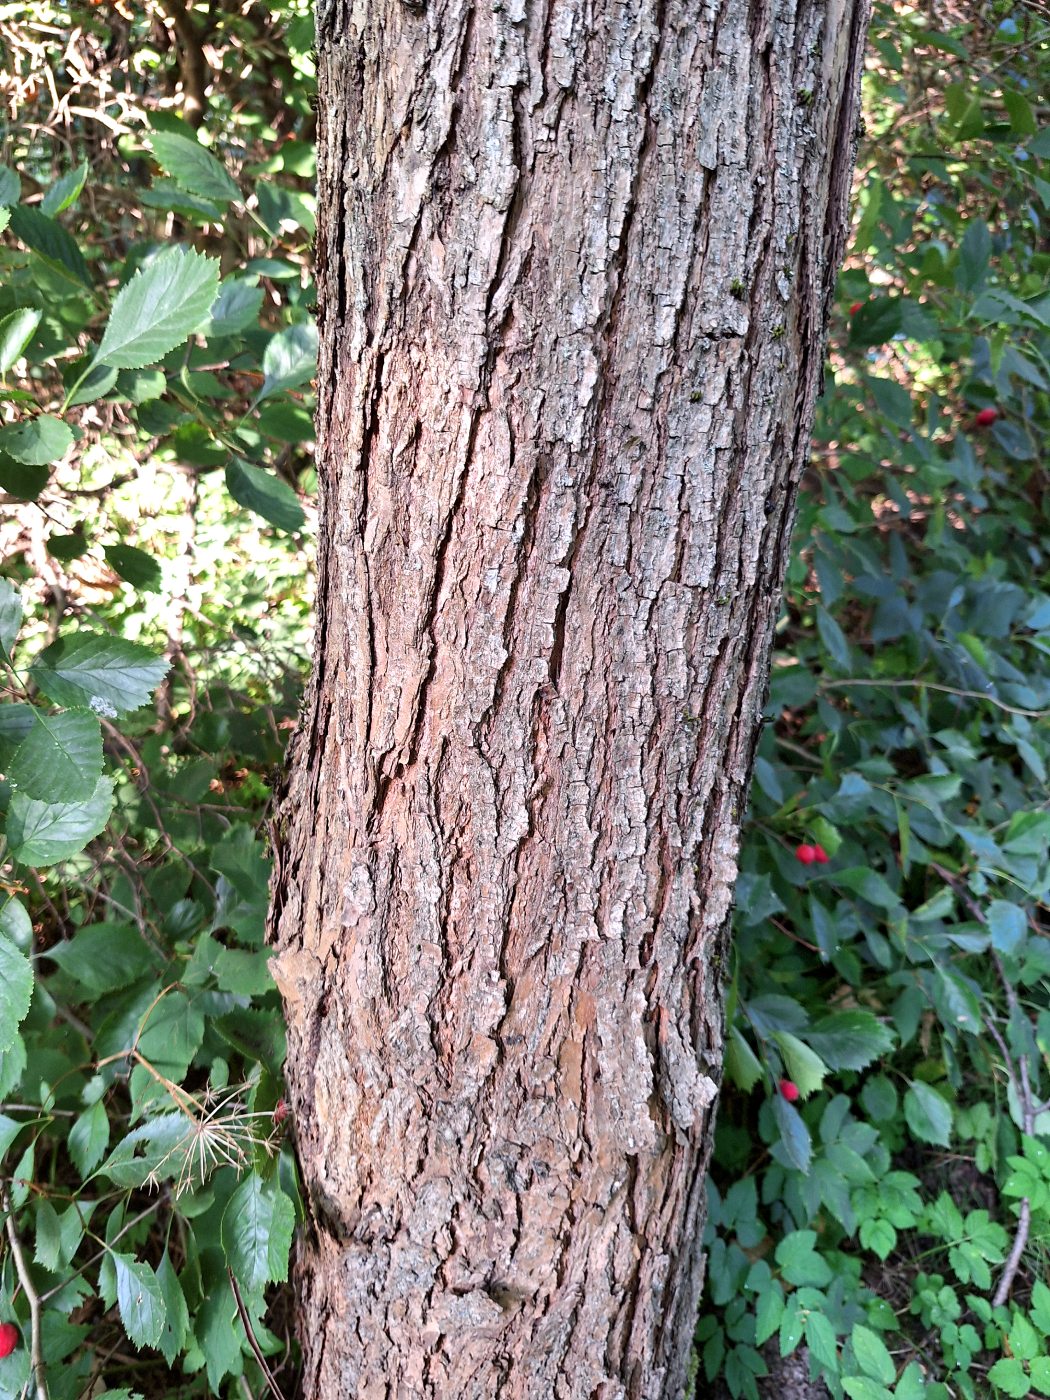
(574,267)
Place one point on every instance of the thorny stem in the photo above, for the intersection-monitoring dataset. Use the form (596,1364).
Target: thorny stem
(36,1348)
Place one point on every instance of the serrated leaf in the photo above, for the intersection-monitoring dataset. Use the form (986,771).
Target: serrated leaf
(10,616)
(41,833)
(257,1228)
(872,1355)
(17,329)
(140,1300)
(928,1115)
(134,566)
(742,1065)
(16,989)
(106,674)
(236,307)
(50,241)
(176,1314)
(265,494)
(89,1138)
(48,1248)
(10,187)
(193,167)
(290,359)
(794,1135)
(1009,1375)
(37,441)
(65,191)
(804,1067)
(162,305)
(60,760)
(849,1039)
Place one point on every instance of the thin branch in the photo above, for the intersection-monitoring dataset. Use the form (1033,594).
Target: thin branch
(246,1323)
(934,685)
(36,1346)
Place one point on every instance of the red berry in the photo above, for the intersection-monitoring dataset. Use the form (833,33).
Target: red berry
(986,417)
(788,1090)
(281,1111)
(855,308)
(806,855)
(8,1338)
(820,855)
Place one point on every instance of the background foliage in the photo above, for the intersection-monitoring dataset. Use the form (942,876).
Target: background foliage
(880,1195)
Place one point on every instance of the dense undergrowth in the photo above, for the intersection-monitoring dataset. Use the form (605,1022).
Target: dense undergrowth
(880,1192)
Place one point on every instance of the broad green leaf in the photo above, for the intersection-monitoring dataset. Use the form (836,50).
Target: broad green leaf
(17,329)
(768,1312)
(794,1135)
(140,1300)
(193,167)
(742,1065)
(9,1128)
(50,241)
(160,1149)
(804,1066)
(1007,924)
(265,494)
(65,191)
(257,1228)
(16,989)
(176,1314)
(20,480)
(135,566)
(107,674)
(872,1355)
(849,1039)
(16,924)
(162,305)
(103,957)
(864,1388)
(48,1248)
(37,441)
(41,833)
(820,1338)
(1009,1375)
(928,1115)
(10,616)
(974,253)
(89,1138)
(236,307)
(10,187)
(290,359)
(799,1262)
(60,759)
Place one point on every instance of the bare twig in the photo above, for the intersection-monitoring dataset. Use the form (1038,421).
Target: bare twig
(36,1351)
(246,1323)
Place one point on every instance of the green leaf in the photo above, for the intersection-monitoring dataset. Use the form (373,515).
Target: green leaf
(65,191)
(48,1247)
(1007,924)
(974,253)
(162,305)
(265,494)
(257,1228)
(236,307)
(803,1065)
(10,616)
(10,187)
(863,1388)
(1009,1375)
(872,1355)
(820,1338)
(41,833)
(135,566)
(193,167)
(16,924)
(768,1312)
(51,242)
(742,1065)
(16,990)
(60,759)
(176,1314)
(1040,1373)
(928,1115)
(140,1299)
(107,674)
(37,441)
(849,1039)
(17,329)
(794,1135)
(19,480)
(289,359)
(89,1138)
(799,1262)
(103,957)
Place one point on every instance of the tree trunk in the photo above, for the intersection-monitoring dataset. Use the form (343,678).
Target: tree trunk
(575,263)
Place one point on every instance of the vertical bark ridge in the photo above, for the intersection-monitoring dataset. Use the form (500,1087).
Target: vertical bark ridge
(574,265)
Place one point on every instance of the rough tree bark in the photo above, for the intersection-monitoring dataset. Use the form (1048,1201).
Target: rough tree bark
(574,260)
